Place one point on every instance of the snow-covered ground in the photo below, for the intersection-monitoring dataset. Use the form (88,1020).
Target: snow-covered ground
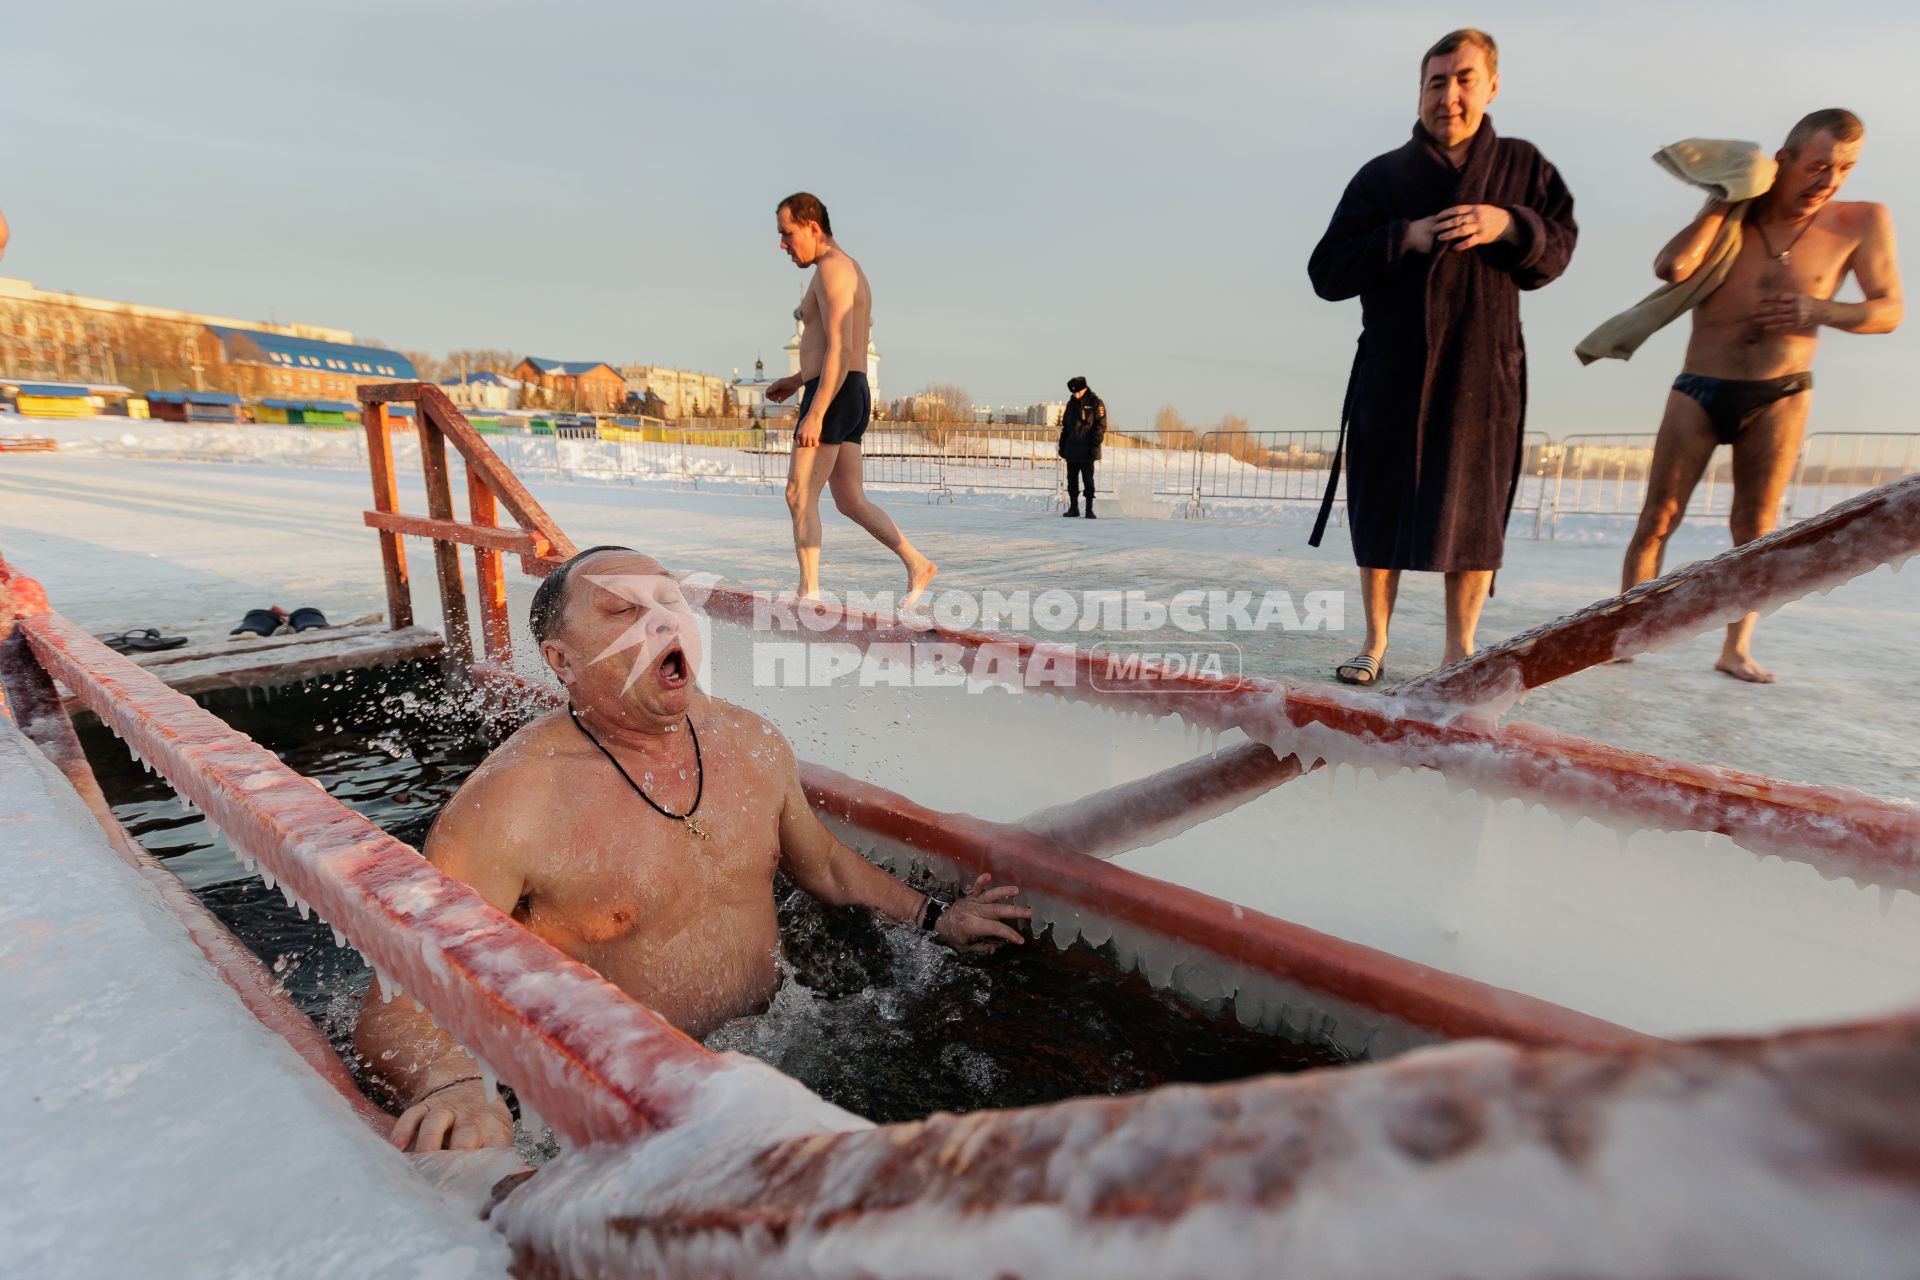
(126,541)
(157,1128)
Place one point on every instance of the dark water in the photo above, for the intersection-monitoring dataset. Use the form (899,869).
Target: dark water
(878,1020)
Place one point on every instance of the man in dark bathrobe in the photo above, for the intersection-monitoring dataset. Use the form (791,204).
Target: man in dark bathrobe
(1437,239)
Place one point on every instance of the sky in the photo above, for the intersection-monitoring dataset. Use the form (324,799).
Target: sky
(1127,191)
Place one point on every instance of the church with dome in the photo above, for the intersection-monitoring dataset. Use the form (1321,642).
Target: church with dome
(750,394)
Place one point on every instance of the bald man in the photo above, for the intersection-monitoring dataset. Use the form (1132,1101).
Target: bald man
(637,830)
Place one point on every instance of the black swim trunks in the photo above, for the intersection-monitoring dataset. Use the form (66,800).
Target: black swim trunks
(1733,403)
(847,416)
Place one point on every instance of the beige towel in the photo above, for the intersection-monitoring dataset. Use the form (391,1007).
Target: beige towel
(1736,171)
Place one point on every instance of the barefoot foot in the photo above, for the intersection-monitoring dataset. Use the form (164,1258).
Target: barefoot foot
(1742,667)
(918,576)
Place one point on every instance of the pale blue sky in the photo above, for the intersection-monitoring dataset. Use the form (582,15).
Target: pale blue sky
(1127,191)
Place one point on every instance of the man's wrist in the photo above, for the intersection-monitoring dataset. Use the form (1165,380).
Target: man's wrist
(445,1085)
(928,917)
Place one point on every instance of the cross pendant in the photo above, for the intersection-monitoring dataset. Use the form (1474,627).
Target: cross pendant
(693,825)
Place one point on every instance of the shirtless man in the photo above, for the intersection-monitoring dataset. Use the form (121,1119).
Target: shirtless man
(836,317)
(638,831)
(1748,377)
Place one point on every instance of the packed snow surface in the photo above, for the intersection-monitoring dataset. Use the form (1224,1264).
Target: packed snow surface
(158,1128)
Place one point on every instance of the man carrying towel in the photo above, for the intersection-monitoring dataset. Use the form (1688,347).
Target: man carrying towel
(1437,239)
(1748,376)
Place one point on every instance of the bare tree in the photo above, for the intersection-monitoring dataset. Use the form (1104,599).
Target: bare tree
(478,359)
(1173,431)
(429,368)
(941,402)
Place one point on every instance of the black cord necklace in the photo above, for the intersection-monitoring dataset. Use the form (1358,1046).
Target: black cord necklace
(699,773)
(1785,253)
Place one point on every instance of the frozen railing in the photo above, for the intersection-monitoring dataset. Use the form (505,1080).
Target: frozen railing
(736,1169)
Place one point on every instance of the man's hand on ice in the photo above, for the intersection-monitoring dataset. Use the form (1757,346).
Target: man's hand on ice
(458,1117)
(975,924)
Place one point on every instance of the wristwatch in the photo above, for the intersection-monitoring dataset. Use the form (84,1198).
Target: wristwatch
(930,914)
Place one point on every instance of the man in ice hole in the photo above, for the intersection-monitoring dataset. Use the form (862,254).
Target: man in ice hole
(637,830)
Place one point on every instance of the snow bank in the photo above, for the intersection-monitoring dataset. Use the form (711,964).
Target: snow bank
(158,1129)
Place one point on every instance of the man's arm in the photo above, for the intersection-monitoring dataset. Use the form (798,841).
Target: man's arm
(1683,254)
(839,284)
(1877,270)
(840,877)
(1532,241)
(1364,244)
(444,1101)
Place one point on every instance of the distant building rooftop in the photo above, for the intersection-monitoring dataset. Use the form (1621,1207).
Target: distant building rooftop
(482,377)
(320,357)
(69,390)
(317,406)
(572,368)
(193,397)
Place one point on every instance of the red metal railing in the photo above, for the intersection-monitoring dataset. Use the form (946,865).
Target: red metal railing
(775,1176)
(490,485)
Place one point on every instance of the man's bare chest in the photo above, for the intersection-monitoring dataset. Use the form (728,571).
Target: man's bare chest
(618,868)
(1813,264)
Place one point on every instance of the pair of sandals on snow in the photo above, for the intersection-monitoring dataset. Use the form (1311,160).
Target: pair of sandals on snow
(258,622)
(270,622)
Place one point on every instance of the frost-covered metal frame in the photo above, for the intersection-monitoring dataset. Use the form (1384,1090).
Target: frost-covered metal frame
(709,1164)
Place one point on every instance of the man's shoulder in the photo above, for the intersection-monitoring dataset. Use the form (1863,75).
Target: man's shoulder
(839,265)
(733,720)
(1519,151)
(506,807)
(527,762)
(1859,217)
(1386,164)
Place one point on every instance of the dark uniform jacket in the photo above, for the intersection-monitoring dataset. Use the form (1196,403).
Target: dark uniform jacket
(1082,427)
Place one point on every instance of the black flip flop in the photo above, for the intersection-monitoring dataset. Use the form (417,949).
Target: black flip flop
(258,622)
(1366,663)
(307,618)
(142,640)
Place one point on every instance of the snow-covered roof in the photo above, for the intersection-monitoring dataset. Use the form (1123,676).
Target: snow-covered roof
(572,368)
(309,354)
(483,378)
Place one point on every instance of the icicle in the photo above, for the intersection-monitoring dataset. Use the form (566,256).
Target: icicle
(388,987)
(529,1118)
(339,939)
(266,876)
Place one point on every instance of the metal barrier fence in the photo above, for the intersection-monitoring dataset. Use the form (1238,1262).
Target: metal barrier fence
(1201,472)
(1608,474)
(1835,465)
